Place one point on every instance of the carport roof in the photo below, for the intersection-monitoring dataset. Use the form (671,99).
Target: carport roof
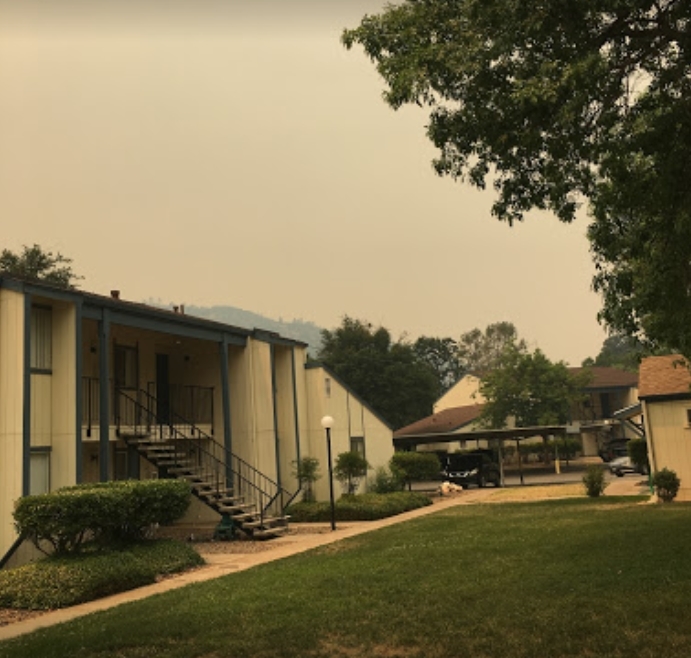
(509,433)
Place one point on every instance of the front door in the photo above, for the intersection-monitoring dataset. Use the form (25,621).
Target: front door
(162,389)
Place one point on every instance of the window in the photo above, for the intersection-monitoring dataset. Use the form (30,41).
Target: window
(41,338)
(688,418)
(126,371)
(39,472)
(357,444)
(327,387)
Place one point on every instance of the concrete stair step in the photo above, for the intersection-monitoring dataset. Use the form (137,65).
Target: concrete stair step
(270,533)
(232,509)
(269,522)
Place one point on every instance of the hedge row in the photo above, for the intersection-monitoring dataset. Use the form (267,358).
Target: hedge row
(64,581)
(364,507)
(104,513)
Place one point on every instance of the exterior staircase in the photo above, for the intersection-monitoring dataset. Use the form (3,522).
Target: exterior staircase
(250,503)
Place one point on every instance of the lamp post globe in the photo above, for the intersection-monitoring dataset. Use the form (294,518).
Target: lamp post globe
(327,423)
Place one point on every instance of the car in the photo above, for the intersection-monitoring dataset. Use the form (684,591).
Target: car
(477,468)
(622,465)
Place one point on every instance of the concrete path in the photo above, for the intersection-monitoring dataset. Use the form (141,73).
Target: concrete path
(222,564)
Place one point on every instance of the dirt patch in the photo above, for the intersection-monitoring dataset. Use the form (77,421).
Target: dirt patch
(333,647)
(11,616)
(546,492)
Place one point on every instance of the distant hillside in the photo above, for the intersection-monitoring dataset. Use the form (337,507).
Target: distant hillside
(307,332)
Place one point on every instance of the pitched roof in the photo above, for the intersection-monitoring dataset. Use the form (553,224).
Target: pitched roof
(606,377)
(447,420)
(662,376)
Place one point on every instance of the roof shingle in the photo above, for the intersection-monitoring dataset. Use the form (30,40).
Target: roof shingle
(446,420)
(661,376)
(606,377)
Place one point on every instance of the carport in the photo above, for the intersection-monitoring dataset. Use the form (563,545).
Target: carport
(494,437)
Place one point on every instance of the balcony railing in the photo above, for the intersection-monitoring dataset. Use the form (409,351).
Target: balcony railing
(193,403)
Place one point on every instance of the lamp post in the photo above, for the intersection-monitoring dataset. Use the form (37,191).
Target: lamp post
(327,424)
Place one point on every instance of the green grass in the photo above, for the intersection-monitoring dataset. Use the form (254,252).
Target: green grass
(603,578)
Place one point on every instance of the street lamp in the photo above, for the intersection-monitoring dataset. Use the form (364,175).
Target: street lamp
(327,424)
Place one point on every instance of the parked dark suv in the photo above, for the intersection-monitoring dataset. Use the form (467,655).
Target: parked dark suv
(476,467)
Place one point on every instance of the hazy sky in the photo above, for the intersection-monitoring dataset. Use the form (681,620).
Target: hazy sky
(233,152)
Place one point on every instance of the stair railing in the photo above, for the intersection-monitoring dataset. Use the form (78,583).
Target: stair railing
(138,416)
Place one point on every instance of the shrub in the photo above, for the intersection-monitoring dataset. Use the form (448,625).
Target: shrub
(306,470)
(349,468)
(594,480)
(666,485)
(386,481)
(415,466)
(103,512)
(364,507)
(57,582)
(638,452)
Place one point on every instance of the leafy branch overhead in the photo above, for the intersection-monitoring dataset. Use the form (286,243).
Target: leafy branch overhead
(554,103)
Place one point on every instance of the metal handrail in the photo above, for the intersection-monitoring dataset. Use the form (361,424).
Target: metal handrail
(219,466)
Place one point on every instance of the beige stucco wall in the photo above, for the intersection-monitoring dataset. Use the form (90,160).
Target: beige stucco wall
(285,414)
(351,419)
(11,409)
(63,465)
(264,453)
(464,392)
(669,438)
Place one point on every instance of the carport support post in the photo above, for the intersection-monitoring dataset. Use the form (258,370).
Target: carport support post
(501,461)
(520,462)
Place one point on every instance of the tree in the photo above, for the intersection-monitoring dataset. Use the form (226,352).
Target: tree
(480,352)
(557,102)
(618,351)
(441,355)
(35,264)
(348,469)
(529,387)
(386,374)
(306,470)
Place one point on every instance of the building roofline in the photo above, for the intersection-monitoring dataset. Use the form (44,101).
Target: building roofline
(314,365)
(121,308)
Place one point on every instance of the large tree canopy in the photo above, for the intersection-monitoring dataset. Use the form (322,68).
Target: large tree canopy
(387,374)
(618,351)
(441,355)
(531,389)
(481,351)
(557,101)
(35,264)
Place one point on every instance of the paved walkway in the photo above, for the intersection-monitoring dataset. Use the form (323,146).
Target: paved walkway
(221,564)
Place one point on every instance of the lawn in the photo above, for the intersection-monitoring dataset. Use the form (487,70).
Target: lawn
(584,578)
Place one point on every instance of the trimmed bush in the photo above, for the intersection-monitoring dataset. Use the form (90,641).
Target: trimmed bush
(57,582)
(103,512)
(349,468)
(594,480)
(415,466)
(666,485)
(364,507)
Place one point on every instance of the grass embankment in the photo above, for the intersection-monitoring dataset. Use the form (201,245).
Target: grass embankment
(570,578)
